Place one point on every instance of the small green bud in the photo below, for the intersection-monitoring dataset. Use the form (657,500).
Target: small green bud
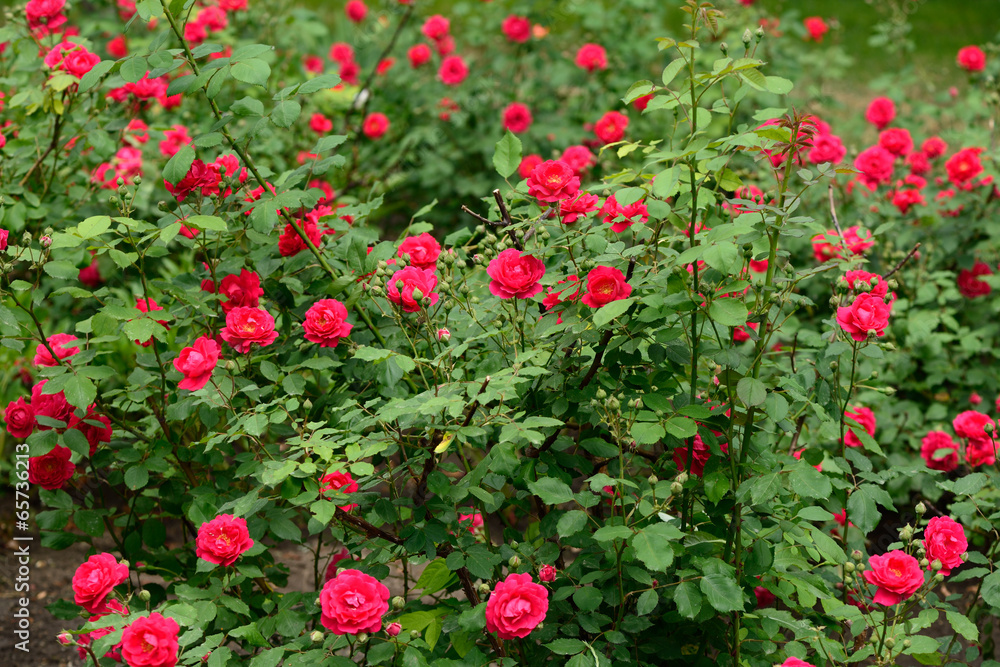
(123,191)
(920,509)
(834,365)
(514,561)
(120,182)
(163,206)
(747,37)
(724,48)
(682,478)
(144,595)
(653,480)
(601,394)
(936,565)
(398,603)
(113,200)
(361,637)
(857,555)
(316,636)
(414,634)
(461,264)
(924,563)
(759,34)
(676,488)
(307,404)
(137,180)
(484,590)
(849,567)
(890,643)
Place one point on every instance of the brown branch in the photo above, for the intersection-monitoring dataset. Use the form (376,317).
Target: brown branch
(477,216)
(367,528)
(605,339)
(41,158)
(903,261)
(506,220)
(836,222)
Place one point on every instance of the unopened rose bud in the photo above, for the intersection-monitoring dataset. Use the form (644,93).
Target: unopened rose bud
(513,544)
(398,603)
(938,578)
(444,335)
(747,37)
(682,477)
(653,480)
(316,636)
(547,573)
(26,238)
(122,191)
(484,589)
(676,488)
(461,264)
(857,555)
(906,532)
(849,567)
(163,206)
(124,563)
(924,563)
(890,642)
(514,561)
(307,404)
(65,638)
(113,200)
(361,637)
(936,564)
(144,595)
(137,180)
(46,241)
(920,509)
(414,634)
(988,427)
(393,629)
(724,48)
(759,34)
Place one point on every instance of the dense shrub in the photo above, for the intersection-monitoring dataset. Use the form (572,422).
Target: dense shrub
(543,358)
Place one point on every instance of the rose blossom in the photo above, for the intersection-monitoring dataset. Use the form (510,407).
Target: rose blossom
(341,53)
(944,540)
(964,165)
(453,71)
(95,579)
(571,210)
(472,522)
(971,59)
(515,275)
(197,363)
(633,213)
(971,424)
(980,452)
(604,285)
(341,481)
(436,27)
(52,470)
(334,565)
(579,158)
(418,55)
(896,140)
(517,118)
(20,418)
(701,455)
(60,344)
(938,440)
(547,573)
(969,283)
(356,10)
(151,641)
(516,606)
(897,575)
(765,598)
(54,406)
(376,125)
(611,127)
(877,284)
(223,539)
(326,323)
(516,28)
(552,181)
(246,327)
(94,434)
(863,417)
(591,57)
(795,662)
(412,278)
(875,164)
(935,147)
(880,112)
(423,250)
(816,27)
(528,164)
(353,602)
(826,148)
(241,290)
(867,314)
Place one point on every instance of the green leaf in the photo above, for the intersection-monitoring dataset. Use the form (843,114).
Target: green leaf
(647,602)
(507,156)
(93,77)
(778,85)
(434,577)
(588,598)
(723,256)
(962,625)
(564,646)
(751,391)
(728,312)
(285,113)
(688,599)
(666,183)
(808,482)
(652,546)
(681,427)
(722,592)
(206,222)
(247,106)
(179,165)
(252,71)
(80,391)
(133,69)
(671,70)
(571,523)
(611,533)
(322,82)
(647,433)
(991,589)
(136,477)
(551,490)
(610,311)
(861,506)
(269,658)
(60,269)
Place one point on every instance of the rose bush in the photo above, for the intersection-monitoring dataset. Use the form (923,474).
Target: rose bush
(540,363)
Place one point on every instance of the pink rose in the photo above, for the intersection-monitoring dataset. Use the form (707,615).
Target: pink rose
(516,607)
(20,418)
(94,581)
(547,573)
(515,275)
(604,285)
(412,279)
(223,539)
(60,344)
(393,629)
(571,210)
(552,181)
(591,57)
(795,662)
(375,125)
(472,522)
(935,441)
(867,314)
(326,323)
(453,71)
(896,140)
(516,28)
(197,363)
(880,112)
(341,481)
(897,576)
(971,59)
(246,327)
(944,540)
(423,250)
(861,417)
(517,118)
(611,127)
(240,290)
(980,452)
(353,602)
(971,424)
(151,641)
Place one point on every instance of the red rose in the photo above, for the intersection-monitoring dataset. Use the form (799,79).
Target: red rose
(621,218)
(964,165)
(880,112)
(571,210)
(934,442)
(555,297)
(867,314)
(516,606)
(579,159)
(591,57)
(418,55)
(875,164)
(972,424)
(94,427)
(4,234)
(52,470)
(969,283)
(201,176)
(60,344)
(246,327)
(241,290)
(445,45)
(906,199)
(552,181)
(980,452)
(223,539)
(897,575)
(423,250)
(604,285)
(516,28)
(765,598)
(934,147)
(816,27)
(20,418)
(971,59)
(547,573)
(151,641)
(896,140)
(611,127)
(412,279)
(356,10)
(334,565)
(375,125)
(320,124)
(701,455)
(54,406)
(326,323)
(197,363)
(515,275)
(149,306)
(79,61)
(353,602)
(45,13)
(944,540)
(349,72)
(875,283)
(862,417)
(528,164)
(793,661)
(516,118)
(341,53)
(341,481)
(291,244)
(436,27)
(94,581)
(453,71)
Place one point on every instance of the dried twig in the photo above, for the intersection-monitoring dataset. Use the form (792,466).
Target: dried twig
(903,261)
(505,216)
